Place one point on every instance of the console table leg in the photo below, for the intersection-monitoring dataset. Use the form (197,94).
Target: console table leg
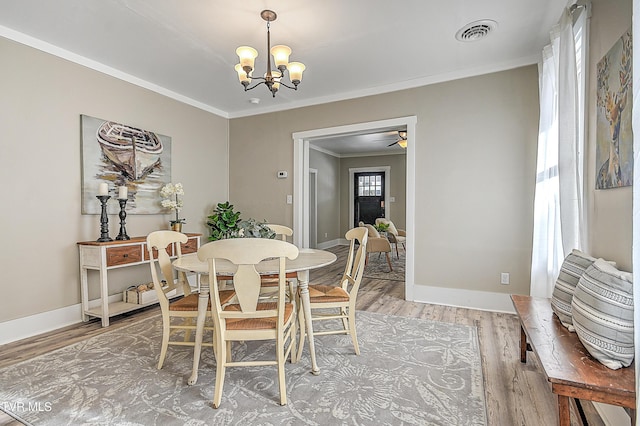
(564,413)
(523,345)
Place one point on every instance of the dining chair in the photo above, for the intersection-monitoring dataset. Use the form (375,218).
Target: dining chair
(377,244)
(178,315)
(330,302)
(282,232)
(396,236)
(248,318)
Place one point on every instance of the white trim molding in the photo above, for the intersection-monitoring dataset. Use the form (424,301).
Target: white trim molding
(470,299)
(21,328)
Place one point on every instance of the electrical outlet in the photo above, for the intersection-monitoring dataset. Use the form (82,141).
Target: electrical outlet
(326,234)
(504,278)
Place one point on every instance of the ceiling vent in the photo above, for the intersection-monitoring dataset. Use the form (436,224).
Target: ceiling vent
(477,30)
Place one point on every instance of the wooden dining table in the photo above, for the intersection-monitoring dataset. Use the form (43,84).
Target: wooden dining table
(307,259)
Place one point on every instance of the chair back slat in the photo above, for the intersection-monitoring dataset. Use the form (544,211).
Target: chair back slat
(354,268)
(159,241)
(281,230)
(247,285)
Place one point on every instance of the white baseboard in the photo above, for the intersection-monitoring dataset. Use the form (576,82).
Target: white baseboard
(612,415)
(470,299)
(21,328)
(332,243)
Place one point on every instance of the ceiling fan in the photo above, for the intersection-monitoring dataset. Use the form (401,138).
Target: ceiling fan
(402,139)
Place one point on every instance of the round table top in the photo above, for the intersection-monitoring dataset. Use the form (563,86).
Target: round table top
(307,259)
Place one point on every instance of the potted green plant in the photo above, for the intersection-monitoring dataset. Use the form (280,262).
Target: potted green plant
(381,227)
(223,223)
(251,228)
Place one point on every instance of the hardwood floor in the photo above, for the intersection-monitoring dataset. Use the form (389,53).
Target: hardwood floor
(515,393)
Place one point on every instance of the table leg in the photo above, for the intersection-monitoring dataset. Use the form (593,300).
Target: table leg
(523,345)
(104,297)
(564,412)
(203,300)
(303,283)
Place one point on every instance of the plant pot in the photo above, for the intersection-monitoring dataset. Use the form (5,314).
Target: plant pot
(176,227)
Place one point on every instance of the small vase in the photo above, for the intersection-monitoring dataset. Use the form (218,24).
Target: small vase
(176,227)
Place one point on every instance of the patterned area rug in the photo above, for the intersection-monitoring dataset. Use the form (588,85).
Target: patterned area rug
(410,371)
(378,267)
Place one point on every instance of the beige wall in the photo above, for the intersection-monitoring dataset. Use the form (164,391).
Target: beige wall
(40,107)
(609,210)
(328,196)
(475,167)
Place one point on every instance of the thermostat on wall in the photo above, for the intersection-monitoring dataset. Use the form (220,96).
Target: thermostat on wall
(282,174)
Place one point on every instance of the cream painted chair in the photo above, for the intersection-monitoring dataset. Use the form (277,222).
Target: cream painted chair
(395,236)
(341,298)
(377,244)
(181,314)
(282,232)
(249,319)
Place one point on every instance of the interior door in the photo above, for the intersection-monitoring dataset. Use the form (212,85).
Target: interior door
(369,197)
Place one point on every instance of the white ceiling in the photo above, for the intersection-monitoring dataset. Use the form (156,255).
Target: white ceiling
(352,48)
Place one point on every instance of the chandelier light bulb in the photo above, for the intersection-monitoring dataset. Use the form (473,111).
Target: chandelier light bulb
(295,72)
(247,57)
(281,55)
(242,75)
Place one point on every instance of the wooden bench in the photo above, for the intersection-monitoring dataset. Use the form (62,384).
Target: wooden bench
(571,370)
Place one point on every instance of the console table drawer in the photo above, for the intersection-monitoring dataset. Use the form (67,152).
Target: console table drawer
(191,246)
(123,255)
(155,252)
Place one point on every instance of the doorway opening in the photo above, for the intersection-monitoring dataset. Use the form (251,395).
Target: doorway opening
(301,177)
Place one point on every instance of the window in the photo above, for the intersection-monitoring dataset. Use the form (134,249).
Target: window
(370,186)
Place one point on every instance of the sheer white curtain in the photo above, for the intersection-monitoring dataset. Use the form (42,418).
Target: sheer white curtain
(558,207)
(636,191)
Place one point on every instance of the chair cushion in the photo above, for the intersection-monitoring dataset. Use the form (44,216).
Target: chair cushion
(190,302)
(400,239)
(602,310)
(571,270)
(375,245)
(327,294)
(257,323)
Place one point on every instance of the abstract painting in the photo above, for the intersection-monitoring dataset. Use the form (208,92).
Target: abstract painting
(614,139)
(123,155)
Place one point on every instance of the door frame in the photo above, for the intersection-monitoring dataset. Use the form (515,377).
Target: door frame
(313,206)
(352,189)
(301,181)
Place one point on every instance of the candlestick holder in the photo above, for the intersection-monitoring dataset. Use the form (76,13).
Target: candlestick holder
(123,215)
(104,219)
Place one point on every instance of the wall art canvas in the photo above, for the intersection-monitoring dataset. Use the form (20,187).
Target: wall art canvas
(123,155)
(614,148)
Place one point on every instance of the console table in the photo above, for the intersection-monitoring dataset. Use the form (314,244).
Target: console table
(105,256)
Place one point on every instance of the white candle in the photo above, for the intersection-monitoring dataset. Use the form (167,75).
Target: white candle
(122,192)
(103,189)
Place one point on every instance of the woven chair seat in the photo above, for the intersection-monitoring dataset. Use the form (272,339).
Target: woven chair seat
(271,280)
(190,302)
(327,294)
(257,323)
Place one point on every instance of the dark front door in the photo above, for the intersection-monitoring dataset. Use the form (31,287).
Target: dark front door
(369,197)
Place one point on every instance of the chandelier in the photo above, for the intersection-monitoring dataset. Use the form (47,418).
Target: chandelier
(272,78)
